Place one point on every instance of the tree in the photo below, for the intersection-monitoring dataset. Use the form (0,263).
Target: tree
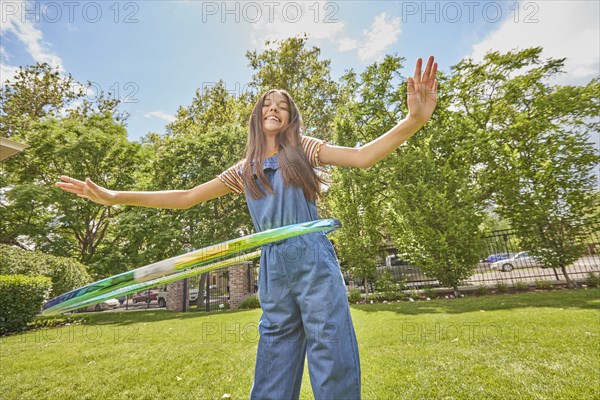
(212,107)
(435,211)
(37,92)
(531,146)
(367,108)
(68,133)
(52,220)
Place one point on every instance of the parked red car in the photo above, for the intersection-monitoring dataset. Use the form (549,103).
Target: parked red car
(146,296)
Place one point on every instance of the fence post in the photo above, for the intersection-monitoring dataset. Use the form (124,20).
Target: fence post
(238,284)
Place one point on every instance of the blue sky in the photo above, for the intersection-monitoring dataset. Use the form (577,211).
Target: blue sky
(157,53)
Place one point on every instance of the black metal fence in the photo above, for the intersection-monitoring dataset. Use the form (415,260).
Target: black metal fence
(508,263)
(215,293)
(213,296)
(504,263)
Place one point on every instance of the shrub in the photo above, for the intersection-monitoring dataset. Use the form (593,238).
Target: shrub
(414,294)
(387,296)
(21,299)
(521,285)
(540,284)
(354,296)
(482,289)
(377,296)
(593,280)
(430,292)
(501,287)
(384,282)
(249,303)
(66,274)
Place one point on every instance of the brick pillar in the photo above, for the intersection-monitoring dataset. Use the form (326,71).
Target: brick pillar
(175,296)
(238,284)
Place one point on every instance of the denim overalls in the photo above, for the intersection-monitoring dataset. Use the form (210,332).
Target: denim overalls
(303,298)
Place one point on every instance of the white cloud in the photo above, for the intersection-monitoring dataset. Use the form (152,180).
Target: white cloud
(347,44)
(7,72)
(29,35)
(159,114)
(320,21)
(568,29)
(281,20)
(383,33)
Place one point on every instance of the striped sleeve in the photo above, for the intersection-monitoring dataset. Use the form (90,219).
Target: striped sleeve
(232,177)
(311,147)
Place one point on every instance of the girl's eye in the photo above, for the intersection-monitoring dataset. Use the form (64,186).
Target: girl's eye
(283,106)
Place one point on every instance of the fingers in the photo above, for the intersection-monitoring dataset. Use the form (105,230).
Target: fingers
(432,76)
(70,190)
(417,75)
(73,185)
(71,180)
(411,86)
(426,74)
(69,187)
(92,184)
(70,183)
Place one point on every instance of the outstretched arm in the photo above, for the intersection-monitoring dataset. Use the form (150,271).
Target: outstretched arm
(422,100)
(176,199)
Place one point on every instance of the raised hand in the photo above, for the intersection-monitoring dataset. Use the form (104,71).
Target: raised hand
(87,190)
(422,91)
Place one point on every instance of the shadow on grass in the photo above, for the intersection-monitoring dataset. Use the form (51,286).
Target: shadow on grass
(135,317)
(561,298)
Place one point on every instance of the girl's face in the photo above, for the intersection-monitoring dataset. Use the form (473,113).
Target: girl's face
(275,113)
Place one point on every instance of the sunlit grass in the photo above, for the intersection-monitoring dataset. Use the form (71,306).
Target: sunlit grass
(536,345)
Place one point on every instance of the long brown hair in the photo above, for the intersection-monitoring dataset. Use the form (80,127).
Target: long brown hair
(293,162)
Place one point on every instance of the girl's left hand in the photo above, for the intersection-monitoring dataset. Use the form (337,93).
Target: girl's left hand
(422,92)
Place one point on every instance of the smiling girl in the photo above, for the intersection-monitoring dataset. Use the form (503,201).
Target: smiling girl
(301,288)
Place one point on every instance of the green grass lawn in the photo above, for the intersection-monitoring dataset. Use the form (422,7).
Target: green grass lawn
(536,345)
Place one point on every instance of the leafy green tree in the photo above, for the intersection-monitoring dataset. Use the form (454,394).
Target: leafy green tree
(435,212)
(212,107)
(37,91)
(367,108)
(54,221)
(531,147)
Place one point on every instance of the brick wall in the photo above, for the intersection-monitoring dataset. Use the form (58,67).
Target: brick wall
(238,284)
(175,296)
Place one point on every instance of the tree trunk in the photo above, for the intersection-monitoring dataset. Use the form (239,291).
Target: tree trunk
(201,301)
(570,283)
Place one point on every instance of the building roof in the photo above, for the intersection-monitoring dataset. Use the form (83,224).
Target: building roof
(9,148)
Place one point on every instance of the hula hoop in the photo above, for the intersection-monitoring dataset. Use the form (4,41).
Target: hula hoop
(162,271)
